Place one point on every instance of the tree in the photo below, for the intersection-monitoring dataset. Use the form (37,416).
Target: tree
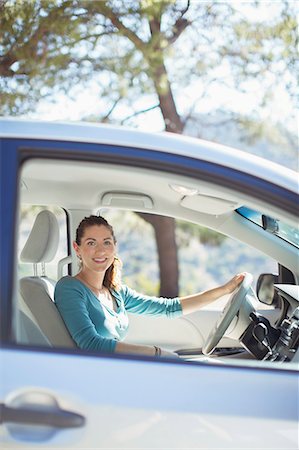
(133,48)
(50,45)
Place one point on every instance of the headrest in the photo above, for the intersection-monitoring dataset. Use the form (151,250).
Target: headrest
(42,243)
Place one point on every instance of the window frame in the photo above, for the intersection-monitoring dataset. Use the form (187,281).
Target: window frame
(19,150)
(256,218)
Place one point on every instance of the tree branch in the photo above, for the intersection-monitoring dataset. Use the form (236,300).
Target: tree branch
(178,29)
(180,24)
(139,112)
(107,12)
(106,117)
(183,11)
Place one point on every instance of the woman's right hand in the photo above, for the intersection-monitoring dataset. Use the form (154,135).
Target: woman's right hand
(148,350)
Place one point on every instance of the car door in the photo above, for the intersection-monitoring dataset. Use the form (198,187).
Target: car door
(65,398)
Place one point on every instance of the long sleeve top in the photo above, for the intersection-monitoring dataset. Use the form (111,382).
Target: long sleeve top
(95,326)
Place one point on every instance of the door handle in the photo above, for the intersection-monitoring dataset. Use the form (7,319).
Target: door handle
(28,416)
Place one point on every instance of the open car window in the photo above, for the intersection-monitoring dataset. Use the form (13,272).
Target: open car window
(206,257)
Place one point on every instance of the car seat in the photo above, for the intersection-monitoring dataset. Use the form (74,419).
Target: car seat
(38,291)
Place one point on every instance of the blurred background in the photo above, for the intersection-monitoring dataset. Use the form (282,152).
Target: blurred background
(221,71)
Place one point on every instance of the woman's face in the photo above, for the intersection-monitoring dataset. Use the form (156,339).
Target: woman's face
(97,248)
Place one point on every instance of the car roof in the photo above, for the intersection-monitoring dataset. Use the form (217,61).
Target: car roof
(163,141)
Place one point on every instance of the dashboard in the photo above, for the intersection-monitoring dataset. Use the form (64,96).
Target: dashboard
(259,338)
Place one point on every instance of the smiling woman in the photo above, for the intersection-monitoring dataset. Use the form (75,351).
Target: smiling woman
(95,310)
(95,244)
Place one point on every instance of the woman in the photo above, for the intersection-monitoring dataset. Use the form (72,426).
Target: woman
(94,304)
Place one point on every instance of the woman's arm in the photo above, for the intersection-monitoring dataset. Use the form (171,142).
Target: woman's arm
(137,303)
(122,347)
(189,304)
(194,302)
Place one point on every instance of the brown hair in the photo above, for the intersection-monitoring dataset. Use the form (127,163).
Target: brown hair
(112,278)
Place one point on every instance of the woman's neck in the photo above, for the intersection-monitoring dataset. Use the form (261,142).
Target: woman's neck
(93,280)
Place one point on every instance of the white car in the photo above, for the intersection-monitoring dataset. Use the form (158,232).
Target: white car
(235,385)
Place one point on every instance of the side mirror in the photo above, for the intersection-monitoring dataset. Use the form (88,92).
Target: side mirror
(265,289)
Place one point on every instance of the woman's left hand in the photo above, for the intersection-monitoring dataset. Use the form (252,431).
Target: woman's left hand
(231,285)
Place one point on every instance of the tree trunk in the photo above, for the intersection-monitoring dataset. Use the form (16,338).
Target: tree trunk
(164,228)
(173,122)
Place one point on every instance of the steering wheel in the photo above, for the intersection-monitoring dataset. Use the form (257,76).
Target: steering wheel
(231,309)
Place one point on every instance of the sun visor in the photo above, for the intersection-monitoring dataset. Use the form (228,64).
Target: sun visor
(208,205)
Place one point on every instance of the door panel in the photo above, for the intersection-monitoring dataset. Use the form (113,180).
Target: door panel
(149,404)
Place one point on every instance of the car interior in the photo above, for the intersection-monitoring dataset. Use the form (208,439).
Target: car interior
(254,326)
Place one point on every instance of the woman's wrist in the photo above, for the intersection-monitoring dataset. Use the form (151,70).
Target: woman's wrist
(223,290)
(158,351)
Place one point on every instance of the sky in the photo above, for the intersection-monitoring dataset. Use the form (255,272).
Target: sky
(82,104)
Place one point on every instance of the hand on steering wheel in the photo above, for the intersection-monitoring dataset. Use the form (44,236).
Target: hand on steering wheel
(231,309)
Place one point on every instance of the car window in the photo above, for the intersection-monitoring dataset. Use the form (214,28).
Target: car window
(206,258)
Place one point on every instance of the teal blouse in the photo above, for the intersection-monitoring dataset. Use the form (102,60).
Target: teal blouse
(94,326)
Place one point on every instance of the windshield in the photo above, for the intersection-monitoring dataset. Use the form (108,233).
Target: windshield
(274,226)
